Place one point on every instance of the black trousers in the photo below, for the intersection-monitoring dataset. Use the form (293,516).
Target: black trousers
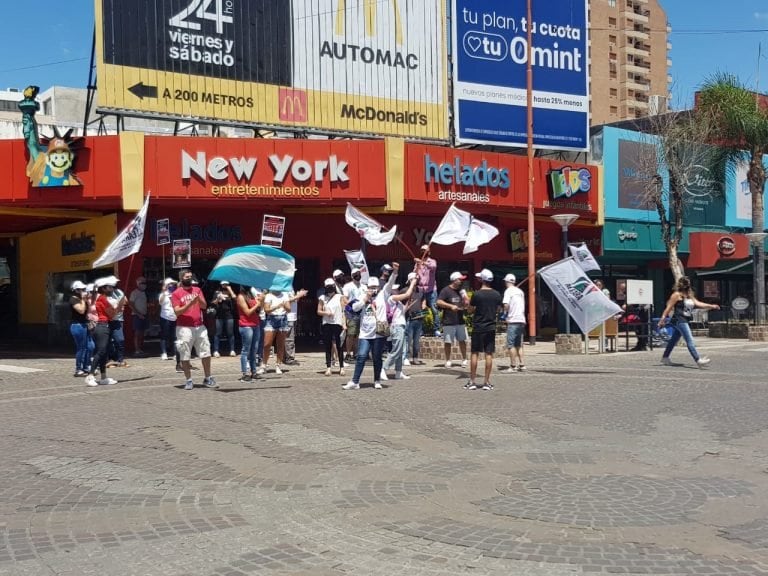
(101,337)
(331,337)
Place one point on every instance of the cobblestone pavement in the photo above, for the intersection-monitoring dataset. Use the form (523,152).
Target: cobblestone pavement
(599,464)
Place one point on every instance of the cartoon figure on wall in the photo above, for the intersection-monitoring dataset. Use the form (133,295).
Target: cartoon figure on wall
(51,160)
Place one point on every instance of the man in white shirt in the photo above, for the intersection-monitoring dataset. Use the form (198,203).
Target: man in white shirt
(514,308)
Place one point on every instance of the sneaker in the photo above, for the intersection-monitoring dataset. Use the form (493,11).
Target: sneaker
(383,375)
(351,386)
(210,382)
(122,364)
(464,363)
(521,368)
(406,362)
(327,371)
(90,380)
(189,385)
(487,386)
(438,333)
(245,378)
(402,376)
(377,385)
(277,369)
(179,368)
(703,361)
(260,370)
(448,364)
(107,381)
(232,354)
(80,374)
(163,356)
(348,357)
(342,372)
(509,370)
(334,364)
(470,385)
(216,355)
(666,361)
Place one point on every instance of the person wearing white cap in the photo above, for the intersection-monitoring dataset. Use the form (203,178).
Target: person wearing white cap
(102,332)
(330,308)
(453,301)
(352,292)
(138,302)
(484,306)
(338,281)
(168,322)
(395,305)
(374,328)
(514,310)
(117,335)
(426,268)
(78,327)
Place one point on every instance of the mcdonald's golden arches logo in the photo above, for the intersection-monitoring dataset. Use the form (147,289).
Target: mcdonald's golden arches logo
(293,105)
(370,9)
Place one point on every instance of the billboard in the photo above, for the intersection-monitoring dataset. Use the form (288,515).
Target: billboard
(489,71)
(367,66)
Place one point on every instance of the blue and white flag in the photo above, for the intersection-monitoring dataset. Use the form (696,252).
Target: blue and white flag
(262,267)
(584,301)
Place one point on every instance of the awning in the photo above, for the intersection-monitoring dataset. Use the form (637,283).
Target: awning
(740,267)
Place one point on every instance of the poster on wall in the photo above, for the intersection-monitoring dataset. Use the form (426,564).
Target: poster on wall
(182,253)
(634,177)
(163,232)
(491,52)
(272,231)
(711,288)
(704,191)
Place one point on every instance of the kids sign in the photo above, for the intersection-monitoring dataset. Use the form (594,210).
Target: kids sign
(274,171)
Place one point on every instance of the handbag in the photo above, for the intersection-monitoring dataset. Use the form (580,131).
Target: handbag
(382,329)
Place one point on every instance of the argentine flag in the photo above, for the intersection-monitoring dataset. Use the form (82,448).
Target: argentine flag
(262,267)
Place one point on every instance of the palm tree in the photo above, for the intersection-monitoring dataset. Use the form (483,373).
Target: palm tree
(742,127)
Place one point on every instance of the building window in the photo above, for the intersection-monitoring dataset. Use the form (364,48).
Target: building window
(612,39)
(614,109)
(612,21)
(614,92)
(612,3)
(47,107)
(9,106)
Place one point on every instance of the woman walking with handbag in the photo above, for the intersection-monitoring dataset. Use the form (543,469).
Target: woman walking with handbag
(680,306)
(374,328)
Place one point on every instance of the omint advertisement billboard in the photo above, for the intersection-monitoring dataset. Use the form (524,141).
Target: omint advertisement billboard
(363,66)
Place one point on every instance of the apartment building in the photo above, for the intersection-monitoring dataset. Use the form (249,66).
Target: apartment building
(630,59)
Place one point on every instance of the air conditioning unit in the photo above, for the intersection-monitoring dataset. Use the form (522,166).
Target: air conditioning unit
(657,105)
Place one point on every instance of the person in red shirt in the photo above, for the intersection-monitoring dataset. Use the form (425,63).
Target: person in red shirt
(102,333)
(189,306)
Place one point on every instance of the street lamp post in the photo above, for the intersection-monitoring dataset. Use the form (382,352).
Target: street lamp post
(756,239)
(565,220)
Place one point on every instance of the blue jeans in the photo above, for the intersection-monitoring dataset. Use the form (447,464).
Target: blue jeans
(681,329)
(224,328)
(364,346)
(413,331)
(117,340)
(432,303)
(167,336)
(251,342)
(84,346)
(396,355)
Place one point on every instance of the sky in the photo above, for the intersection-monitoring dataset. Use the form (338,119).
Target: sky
(49,45)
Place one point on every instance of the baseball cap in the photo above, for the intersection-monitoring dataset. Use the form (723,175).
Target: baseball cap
(169,281)
(77,285)
(485,275)
(411,276)
(373,282)
(90,287)
(395,286)
(386,268)
(355,271)
(424,247)
(510,278)
(113,280)
(337,272)
(105,281)
(329,282)
(224,283)
(457,276)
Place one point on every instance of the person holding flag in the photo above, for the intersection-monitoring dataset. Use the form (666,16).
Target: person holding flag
(426,268)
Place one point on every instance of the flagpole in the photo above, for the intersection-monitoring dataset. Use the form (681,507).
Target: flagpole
(532,328)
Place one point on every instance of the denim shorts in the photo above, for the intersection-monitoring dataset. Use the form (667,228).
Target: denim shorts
(276,323)
(515,331)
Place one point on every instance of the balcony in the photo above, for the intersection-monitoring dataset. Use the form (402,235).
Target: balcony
(637,86)
(640,35)
(637,50)
(638,104)
(636,15)
(636,68)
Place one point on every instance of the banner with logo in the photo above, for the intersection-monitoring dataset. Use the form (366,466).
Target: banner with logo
(491,53)
(163,231)
(583,257)
(272,231)
(127,242)
(182,253)
(584,301)
(373,66)
(356,259)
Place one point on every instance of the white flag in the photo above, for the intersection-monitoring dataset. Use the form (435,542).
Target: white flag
(127,242)
(356,259)
(584,257)
(584,301)
(367,227)
(460,226)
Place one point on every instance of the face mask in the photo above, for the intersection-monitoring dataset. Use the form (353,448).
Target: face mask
(171,287)
(186,282)
(330,290)
(356,277)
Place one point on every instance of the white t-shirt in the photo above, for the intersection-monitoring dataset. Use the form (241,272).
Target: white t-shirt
(293,315)
(398,312)
(353,292)
(274,303)
(333,304)
(514,301)
(166,307)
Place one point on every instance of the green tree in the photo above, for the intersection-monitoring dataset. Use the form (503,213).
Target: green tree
(742,127)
